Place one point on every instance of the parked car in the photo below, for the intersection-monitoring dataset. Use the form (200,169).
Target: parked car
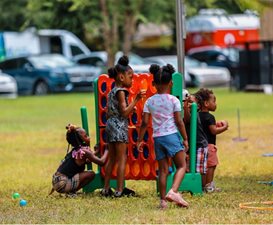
(216,56)
(8,86)
(42,74)
(99,59)
(197,74)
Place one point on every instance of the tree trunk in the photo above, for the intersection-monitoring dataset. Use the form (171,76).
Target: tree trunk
(110,32)
(129,31)
(130,20)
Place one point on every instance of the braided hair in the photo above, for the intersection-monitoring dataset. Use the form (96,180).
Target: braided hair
(73,136)
(162,75)
(121,67)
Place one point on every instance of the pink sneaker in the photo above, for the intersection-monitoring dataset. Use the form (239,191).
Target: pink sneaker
(177,198)
(163,204)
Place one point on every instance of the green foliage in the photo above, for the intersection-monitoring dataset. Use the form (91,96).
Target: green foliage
(32,135)
(192,7)
(54,14)
(12,16)
(85,19)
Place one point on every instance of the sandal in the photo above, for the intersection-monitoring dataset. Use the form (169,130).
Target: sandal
(128,192)
(106,193)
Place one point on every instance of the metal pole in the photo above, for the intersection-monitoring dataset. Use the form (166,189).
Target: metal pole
(180,36)
(239,127)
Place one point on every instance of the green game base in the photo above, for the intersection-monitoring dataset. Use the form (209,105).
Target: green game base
(98,183)
(192,183)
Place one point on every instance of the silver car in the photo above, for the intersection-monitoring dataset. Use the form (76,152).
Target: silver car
(8,86)
(99,59)
(197,74)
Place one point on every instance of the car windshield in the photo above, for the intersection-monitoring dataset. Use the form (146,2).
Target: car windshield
(190,62)
(232,53)
(136,60)
(50,61)
(133,59)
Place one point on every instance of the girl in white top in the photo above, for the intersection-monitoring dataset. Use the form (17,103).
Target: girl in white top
(165,110)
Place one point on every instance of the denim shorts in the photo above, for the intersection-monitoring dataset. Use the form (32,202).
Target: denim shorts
(167,146)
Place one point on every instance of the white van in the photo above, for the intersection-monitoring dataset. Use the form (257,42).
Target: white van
(32,41)
(62,42)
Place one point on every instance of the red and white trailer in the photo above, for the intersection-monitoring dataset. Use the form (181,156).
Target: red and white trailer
(216,27)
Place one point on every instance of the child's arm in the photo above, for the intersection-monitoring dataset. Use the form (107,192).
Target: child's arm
(214,129)
(142,130)
(123,108)
(181,127)
(93,158)
(187,113)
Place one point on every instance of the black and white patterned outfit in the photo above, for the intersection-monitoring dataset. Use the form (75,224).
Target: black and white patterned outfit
(116,125)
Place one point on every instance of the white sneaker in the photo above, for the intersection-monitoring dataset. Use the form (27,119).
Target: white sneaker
(177,198)
(209,188)
(216,189)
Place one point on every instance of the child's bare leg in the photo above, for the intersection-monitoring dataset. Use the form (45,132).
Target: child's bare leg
(180,163)
(204,180)
(85,178)
(210,174)
(121,161)
(109,165)
(163,173)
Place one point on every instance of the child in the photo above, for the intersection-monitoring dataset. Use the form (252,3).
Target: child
(207,102)
(117,125)
(70,176)
(165,110)
(201,139)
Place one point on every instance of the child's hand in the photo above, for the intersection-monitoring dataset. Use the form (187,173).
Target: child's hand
(140,95)
(222,123)
(186,145)
(96,150)
(140,146)
(225,124)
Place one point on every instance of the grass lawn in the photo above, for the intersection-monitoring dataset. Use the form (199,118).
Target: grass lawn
(32,143)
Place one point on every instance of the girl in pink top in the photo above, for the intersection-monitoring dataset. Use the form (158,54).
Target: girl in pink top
(165,110)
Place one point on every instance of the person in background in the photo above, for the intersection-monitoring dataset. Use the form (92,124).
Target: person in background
(165,110)
(201,138)
(207,102)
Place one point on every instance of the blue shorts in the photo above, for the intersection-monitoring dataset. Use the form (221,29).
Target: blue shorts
(167,146)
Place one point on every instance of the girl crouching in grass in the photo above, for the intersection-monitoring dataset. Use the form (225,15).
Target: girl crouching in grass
(70,175)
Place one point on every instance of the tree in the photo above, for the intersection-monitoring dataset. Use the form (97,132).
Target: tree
(54,14)
(12,15)
(113,22)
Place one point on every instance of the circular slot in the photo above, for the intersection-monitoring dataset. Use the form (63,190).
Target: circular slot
(146,152)
(103,102)
(103,87)
(135,152)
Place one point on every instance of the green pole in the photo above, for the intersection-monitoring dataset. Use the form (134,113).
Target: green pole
(84,119)
(85,127)
(193,130)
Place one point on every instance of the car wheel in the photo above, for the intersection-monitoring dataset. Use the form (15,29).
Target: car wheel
(41,88)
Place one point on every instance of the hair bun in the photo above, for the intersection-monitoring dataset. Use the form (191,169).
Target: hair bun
(154,69)
(124,60)
(169,68)
(70,127)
